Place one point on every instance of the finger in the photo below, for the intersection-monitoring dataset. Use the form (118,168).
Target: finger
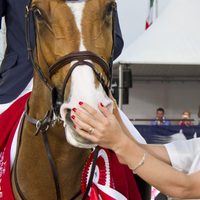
(93,112)
(87,136)
(104,110)
(80,124)
(84,120)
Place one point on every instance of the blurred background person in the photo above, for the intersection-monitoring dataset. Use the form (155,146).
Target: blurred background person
(199,115)
(186,119)
(160,118)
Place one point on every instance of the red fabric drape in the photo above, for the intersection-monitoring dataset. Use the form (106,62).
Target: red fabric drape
(122,181)
(9,121)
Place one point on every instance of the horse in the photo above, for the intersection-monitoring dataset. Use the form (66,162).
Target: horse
(74,46)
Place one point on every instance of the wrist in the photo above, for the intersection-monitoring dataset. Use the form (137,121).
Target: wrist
(122,146)
(131,153)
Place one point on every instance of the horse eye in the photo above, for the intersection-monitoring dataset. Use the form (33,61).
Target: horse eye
(38,14)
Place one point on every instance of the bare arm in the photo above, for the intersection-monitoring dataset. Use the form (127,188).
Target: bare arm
(156,170)
(158,151)
(158,173)
(162,174)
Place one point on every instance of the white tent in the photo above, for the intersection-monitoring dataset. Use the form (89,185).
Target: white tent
(169,50)
(173,39)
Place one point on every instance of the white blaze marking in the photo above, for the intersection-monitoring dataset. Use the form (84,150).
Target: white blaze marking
(77,9)
(83,80)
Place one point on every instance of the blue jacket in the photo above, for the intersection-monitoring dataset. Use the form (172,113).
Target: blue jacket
(16,71)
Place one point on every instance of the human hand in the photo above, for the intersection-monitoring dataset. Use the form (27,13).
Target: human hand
(101,127)
(115,107)
(118,117)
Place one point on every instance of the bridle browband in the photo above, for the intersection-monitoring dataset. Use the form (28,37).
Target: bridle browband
(78,58)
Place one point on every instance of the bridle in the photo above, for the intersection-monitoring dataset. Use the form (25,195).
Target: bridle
(79,58)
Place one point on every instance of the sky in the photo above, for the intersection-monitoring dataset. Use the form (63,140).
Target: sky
(132,16)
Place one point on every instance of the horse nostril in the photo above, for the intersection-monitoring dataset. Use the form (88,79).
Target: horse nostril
(64,112)
(68,115)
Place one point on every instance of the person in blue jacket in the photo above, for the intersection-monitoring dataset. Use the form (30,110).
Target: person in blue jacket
(16,70)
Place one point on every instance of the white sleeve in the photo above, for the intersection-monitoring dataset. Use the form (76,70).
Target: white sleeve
(134,132)
(183,153)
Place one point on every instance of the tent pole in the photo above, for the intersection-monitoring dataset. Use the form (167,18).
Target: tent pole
(120,86)
(156,8)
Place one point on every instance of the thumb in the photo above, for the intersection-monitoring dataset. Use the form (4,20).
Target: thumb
(104,110)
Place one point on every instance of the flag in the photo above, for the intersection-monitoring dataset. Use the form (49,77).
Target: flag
(151,14)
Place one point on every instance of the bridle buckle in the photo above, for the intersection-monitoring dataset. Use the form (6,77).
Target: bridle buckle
(42,126)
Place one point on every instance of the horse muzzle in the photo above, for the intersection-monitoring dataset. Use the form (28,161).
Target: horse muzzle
(71,135)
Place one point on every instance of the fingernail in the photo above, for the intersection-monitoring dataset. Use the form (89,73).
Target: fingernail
(101,105)
(74,126)
(74,109)
(73,117)
(80,103)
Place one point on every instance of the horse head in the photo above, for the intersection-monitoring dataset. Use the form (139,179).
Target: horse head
(74,46)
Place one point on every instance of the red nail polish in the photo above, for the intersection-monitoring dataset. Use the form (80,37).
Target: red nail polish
(74,109)
(74,126)
(101,105)
(80,103)
(73,117)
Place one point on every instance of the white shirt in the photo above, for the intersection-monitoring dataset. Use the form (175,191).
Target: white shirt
(185,155)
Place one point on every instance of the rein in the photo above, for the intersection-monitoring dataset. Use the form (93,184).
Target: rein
(42,127)
(79,58)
